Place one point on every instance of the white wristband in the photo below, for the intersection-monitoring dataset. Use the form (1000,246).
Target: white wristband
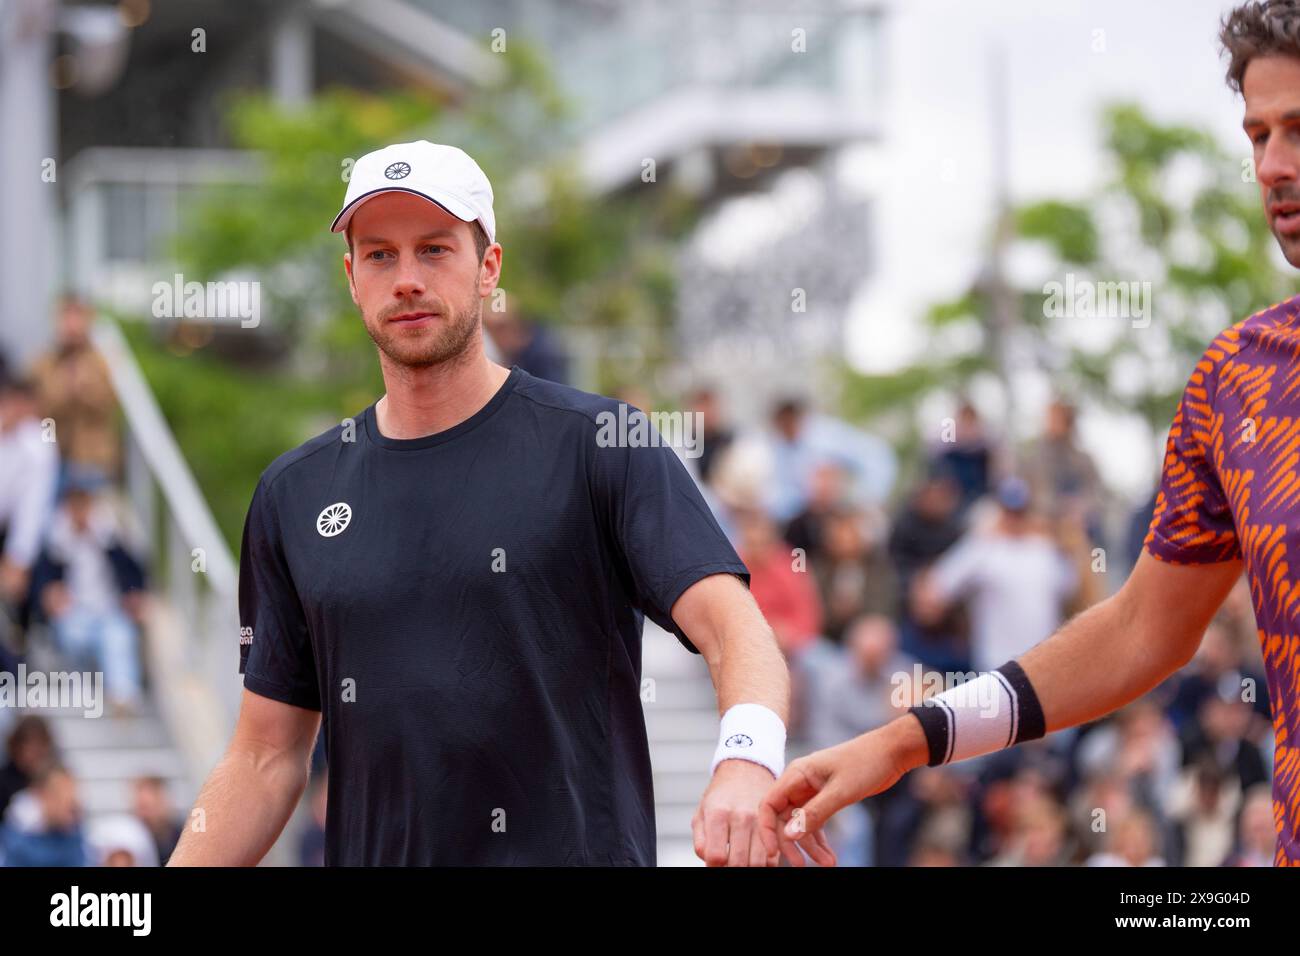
(751,732)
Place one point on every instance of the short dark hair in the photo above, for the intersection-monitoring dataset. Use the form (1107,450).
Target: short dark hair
(1259,28)
(23,385)
(789,405)
(29,729)
(481,241)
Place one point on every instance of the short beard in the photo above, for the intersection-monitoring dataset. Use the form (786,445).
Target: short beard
(1290,248)
(442,342)
(1290,245)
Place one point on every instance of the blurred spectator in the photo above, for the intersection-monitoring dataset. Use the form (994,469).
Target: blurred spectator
(927,526)
(1090,569)
(801,440)
(635,397)
(1133,840)
(1139,523)
(1038,834)
(29,750)
(311,845)
(45,828)
(1140,746)
(1061,475)
(930,806)
(786,596)
(1213,670)
(120,840)
(1237,614)
(1256,833)
(90,589)
(29,467)
(841,692)
(930,852)
(1221,733)
(152,806)
(1104,796)
(968,457)
(76,390)
(1204,810)
(854,575)
(826,490)
(1015,577)
(530,345)
(866,686)
(716,435)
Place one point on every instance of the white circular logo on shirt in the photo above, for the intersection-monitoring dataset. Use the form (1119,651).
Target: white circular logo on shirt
(333,519)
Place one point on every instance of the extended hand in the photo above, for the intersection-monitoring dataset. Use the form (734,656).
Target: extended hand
(815,787)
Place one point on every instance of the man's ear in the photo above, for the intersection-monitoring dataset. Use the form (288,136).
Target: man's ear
(489,273)
(352,283)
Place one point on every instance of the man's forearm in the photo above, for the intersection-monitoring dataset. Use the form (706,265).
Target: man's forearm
(750,668)
(241,810)
(1096,663)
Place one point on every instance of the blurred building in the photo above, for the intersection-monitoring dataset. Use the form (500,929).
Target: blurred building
(723,96)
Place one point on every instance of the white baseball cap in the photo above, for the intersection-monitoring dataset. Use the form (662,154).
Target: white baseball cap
(444,175)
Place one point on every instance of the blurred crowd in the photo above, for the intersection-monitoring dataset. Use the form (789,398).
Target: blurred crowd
(73,598)
(44,824)
(71,579)
(873,582)
(876,593)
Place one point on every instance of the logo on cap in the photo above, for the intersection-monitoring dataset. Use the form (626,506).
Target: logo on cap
(398,171)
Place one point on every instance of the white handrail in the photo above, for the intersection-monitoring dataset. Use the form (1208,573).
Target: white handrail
(156,443)
(192,630)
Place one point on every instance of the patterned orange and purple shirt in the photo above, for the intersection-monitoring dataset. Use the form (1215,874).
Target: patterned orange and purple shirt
(1231,489)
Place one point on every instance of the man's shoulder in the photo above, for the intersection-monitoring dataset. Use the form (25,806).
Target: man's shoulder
(546,394)
(304,455)
(1280,319)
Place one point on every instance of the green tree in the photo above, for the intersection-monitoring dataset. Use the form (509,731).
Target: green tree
(1178,212)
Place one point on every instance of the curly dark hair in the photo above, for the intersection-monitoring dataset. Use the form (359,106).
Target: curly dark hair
(1259,28)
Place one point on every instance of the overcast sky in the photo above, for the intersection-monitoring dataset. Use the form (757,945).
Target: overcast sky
(934,179)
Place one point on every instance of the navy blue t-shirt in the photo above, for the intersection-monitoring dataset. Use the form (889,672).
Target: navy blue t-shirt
(466,610)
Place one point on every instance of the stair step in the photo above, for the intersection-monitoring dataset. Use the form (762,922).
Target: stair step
(682,727)
(674,819)
(663,655)
(124,763)
(109,732)
(666,726)
(678,693)
(99,797)
(676,851)
(683,756)
(681,787)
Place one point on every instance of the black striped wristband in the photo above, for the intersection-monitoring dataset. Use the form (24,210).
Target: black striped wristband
(994,711)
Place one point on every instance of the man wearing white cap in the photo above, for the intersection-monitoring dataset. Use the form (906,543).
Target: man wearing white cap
(456,582)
